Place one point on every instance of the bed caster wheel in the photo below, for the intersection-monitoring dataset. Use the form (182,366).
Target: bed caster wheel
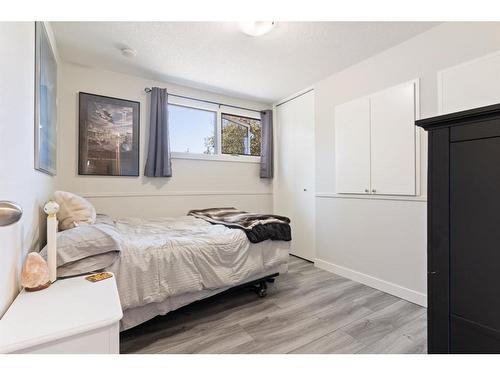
(262,289)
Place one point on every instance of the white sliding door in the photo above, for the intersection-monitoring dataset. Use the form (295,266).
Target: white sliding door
(393,141)
(295,177)
(304,175)
(284,188)
(352,146)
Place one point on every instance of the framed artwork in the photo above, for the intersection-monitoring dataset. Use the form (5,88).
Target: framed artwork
(108,136)
(45,102)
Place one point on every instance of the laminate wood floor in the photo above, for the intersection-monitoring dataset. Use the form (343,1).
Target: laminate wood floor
(307,310)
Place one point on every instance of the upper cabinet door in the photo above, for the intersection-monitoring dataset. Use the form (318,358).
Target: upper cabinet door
(393,141)
(352,146)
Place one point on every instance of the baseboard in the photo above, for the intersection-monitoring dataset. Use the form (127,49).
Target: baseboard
(384,286)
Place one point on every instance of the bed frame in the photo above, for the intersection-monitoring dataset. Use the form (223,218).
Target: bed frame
(259,285)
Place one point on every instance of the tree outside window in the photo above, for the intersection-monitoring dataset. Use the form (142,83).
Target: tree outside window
(240,135)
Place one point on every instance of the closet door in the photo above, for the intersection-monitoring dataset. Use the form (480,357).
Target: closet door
(393,141)
(284,188)
(305,215)
(295,186)
(352,146)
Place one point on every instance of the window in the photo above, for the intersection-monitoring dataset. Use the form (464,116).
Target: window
(192,130)
(240,135)
(200,130)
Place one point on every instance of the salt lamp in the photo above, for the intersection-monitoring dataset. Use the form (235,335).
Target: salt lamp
(35,273)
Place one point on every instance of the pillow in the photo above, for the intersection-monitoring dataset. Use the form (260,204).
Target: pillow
(96,263)
(86,248)
(73,210)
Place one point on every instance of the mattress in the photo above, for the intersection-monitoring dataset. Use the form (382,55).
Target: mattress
(167,263)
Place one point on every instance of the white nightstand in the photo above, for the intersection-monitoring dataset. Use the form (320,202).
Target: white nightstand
(71,316)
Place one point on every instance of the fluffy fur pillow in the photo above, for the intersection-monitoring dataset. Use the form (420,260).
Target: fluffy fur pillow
(73,210)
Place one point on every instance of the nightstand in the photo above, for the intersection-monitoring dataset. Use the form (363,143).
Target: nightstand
(71,316)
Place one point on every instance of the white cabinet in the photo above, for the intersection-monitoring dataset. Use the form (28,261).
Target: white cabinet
(294,185)
(375,143)
(72,316)
(352,146)
(392,115)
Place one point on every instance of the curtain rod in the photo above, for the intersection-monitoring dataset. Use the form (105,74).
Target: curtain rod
(148,90)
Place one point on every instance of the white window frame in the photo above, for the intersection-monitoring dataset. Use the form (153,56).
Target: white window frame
(218,109)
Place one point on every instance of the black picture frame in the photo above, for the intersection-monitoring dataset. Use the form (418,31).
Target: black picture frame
(108,136)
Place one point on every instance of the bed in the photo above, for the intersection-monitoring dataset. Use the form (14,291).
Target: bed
(168,263)
(163,264)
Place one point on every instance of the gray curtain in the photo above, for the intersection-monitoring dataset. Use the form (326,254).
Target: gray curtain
(158,162)
(266,146)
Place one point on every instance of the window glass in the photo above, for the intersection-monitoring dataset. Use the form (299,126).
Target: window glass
(240,135)
(191,129)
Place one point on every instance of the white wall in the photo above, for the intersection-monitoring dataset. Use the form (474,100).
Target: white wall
(383,242)
(19,181)
(473,84)
(195,183)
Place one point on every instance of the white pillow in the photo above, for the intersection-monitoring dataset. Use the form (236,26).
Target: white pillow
(73,210)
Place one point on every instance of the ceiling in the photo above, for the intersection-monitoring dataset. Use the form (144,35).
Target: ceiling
(216,56)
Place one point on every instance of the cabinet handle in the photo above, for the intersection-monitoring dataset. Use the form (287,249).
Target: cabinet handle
(366,190)
(374,191)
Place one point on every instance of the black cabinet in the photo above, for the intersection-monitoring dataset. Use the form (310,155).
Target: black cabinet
(464,231)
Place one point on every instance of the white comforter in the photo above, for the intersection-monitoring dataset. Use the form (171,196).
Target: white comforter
(167,257)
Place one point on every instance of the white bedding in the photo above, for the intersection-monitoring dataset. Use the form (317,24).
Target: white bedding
(169,262)
(135,316)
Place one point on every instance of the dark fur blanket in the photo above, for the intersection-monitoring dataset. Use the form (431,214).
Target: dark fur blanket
(258,227)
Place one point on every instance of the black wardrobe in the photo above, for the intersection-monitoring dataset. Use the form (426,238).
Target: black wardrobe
(464,231)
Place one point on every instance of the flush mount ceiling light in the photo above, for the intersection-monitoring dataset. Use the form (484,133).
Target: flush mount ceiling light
(129,52)
(256,28)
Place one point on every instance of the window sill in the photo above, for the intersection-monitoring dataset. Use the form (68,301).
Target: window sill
(226,158)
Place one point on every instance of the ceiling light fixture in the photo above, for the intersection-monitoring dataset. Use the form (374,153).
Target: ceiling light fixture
(256,28)
(129,52)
